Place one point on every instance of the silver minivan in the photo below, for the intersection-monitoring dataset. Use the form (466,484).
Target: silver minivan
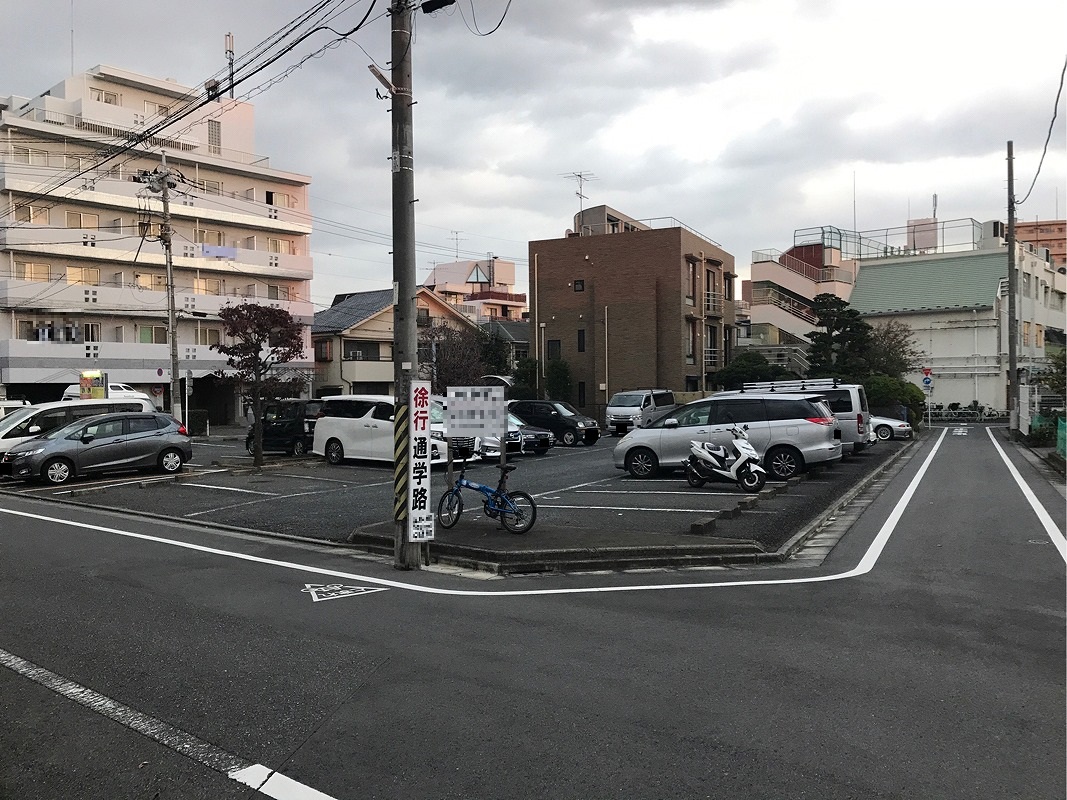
(790,431)
(848,401)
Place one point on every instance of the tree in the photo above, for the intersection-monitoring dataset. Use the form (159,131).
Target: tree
(525,386)
(1051,375)
(842,349)
(887,394)
(558,383)
(749,367)
(257,340)
(496,353)
(894,351)
(451,356)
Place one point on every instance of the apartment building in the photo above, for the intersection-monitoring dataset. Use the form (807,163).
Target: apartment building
(483,290)
(83,281)
(955,297)
(631,303)
(1049,234)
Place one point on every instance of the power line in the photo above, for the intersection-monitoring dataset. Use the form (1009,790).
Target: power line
(1055,110)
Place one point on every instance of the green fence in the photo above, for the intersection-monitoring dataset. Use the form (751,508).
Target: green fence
(1061,437)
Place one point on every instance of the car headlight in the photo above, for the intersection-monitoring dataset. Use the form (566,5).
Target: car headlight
(27,453)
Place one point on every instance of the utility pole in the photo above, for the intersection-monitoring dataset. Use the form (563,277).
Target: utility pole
(406,555)
(1013,375)
(159,181)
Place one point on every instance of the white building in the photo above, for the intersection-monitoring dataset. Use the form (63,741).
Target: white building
(481,290)
(82,269)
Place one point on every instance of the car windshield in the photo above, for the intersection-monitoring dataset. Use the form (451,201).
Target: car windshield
(10,420)
(281,411)
(514,421)
(437,413)
(626,399)
(565,409)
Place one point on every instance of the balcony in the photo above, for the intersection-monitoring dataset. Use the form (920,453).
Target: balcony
(795,265)
(712,357)
(499,297)
(713,304)
(785,302)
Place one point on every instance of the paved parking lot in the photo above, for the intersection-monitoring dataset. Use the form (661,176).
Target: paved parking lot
(578,490)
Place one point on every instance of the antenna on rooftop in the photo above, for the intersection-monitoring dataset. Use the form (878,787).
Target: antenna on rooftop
(455,237)
(935,206)
(582,178)
(229,57)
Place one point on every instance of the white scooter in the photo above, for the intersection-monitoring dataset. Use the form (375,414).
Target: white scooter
(739,463)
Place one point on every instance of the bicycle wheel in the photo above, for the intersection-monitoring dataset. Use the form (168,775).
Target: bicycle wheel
(449,508)
(521,514)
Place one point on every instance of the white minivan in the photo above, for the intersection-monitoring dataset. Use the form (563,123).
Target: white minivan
(29,422)
(361,426)
(114,391)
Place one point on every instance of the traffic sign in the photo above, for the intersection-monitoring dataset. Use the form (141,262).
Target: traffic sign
(927,371)
(927,381)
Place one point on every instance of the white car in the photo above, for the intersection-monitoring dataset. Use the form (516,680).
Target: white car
(886,428)
(361,426)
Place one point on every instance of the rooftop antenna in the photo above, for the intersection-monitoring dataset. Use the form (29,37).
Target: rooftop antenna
(229,57)
(455,237)
(582,178)
(935,206)
(71,37)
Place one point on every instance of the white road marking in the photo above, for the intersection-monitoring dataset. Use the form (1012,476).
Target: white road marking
(261,778)
(1047,522)
(691,493)
(629,508)
(250,502)
(230,489)
(866,564)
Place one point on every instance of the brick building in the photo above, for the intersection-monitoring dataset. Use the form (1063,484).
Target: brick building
(631,304)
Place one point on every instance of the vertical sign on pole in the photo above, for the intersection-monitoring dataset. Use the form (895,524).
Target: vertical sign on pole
(420,510)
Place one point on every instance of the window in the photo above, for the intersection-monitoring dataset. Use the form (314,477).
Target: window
(1026,333)
(204,236)
(108,429)
(148,229)
(91,331)
(27,271)
(690,341)
(581,341)
(1039,335)
(152,334)
(383,411)
(324,350)
(208,336)
(214,136)
(579,286)
(156,283)
(581,394)
(279,199)
(554,349)
(102,96)
(90,276)
(725,412)
(76,219)
(35,215)
(283,246)
(691,283)
(28,155)
(141,425)
(207,286)
(692,415)
(356,350)
(151,109)
(422,317)
(351,409)
(209,187)
(276,292)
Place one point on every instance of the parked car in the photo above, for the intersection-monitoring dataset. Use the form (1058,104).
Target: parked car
(361,426)
(103,443)
(288,425)
(888,428)
(521,439)
(790,431)
(115,391)
(7,406)
(626,410)
(567,424)
(29,422)
(848,401)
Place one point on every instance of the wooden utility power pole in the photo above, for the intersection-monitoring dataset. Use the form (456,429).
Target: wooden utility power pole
(159,181)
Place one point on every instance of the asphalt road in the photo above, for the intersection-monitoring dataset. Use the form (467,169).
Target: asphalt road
(924,658)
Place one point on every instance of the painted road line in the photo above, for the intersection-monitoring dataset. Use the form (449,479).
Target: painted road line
(252,502)
(229,489)
(866,564)
(261,778)
(1043,516)
(693,493)
(629,508)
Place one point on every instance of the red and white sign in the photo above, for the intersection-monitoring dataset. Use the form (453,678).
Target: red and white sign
(927,371)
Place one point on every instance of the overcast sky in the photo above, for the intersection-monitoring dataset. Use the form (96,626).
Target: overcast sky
(743,120)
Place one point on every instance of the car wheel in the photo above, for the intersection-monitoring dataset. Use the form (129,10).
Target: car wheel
(335,452)
(298,448)
(540,450)
(57,471)
(570,438)
(250,446)
(784,462)
(884,432)
(592,438)
(641,462)
(858,446)
(170,461)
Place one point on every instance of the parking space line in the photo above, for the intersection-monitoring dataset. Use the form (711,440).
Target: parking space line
(635,491)
(629,508)
(230,489)
(252,502)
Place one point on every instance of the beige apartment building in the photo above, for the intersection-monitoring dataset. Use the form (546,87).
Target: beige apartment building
(83,281)
(631,304)
(1049,234)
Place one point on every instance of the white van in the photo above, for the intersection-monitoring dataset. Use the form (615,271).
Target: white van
(361,426)
(634,408)
(848,401)
(7,406)
(29,422)
(120,391)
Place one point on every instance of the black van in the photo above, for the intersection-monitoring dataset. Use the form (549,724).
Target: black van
(288,426)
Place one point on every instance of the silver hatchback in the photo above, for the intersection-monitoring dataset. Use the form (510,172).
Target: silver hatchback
(790,431)
(104,443)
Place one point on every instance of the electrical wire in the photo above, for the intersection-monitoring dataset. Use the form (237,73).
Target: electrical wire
(474,19)
(1055,110)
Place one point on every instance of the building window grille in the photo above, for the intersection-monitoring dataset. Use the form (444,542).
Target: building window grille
(214,136)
